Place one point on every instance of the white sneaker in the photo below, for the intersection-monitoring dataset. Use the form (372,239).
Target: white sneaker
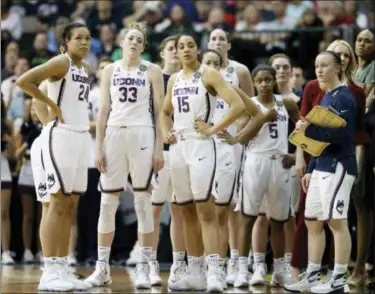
(79,285)
(223,276)
(6,258)
(259,274)
(52,280)
(279,279)
(305,283)
(133,256)
(243,275)
(154,273)
(101,276)
(197,276)
(28,256)
(232,271)
(336,283)
(214,277)
(39,257)
(178,278)
(142,276)
(72,261)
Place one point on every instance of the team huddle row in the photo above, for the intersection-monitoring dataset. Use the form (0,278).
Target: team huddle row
(218,153)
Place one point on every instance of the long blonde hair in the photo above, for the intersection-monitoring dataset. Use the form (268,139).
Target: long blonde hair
(352,65)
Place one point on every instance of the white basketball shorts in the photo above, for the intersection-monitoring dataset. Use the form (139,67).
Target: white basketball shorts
(127,150)
(39,173)
(192,163)
(225,174)
(265,177)
(161,183)
(328,195)
(6,176)
(65,158)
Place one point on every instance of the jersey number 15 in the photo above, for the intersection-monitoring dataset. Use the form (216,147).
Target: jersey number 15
(183,104)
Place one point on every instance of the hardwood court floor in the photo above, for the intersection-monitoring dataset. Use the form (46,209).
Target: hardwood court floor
(25,279)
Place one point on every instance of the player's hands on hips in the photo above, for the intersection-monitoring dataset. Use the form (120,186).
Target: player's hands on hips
(305,182)
(55,112)
(302,125)
(288,161)
(227,138)
(203,128)
(271,115)
(171,138)
(100,160)
(157,161)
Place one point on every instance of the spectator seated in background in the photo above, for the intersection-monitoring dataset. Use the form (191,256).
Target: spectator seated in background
(40,53)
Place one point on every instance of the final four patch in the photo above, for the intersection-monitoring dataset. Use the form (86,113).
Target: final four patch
(230,69)
(279,103)
(142,67)
(197,75)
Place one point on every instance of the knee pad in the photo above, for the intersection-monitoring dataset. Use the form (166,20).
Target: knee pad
(108,208)
(143,209)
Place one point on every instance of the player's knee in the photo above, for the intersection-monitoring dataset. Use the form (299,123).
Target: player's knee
(206,212)
(338,225)
(277,225)
(262,221)
(107,217)
(176,212)
(314,227)
(143,209)
(222,213)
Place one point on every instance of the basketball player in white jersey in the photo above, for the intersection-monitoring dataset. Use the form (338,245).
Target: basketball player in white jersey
(283,66)
(163,191)
(226,154)
(238,75)
(264,175)
(192,156)
(127,141)
(64,149)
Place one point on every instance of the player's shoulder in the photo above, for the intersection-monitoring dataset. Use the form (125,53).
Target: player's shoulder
(240,67)
(344,96)
(172,79)
(314,84)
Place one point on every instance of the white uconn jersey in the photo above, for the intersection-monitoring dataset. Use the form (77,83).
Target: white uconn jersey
(273,136)
(131,99)
(71,94)
(191,101)
(230,76)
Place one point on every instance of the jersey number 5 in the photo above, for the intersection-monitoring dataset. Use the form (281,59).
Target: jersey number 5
(84,93)
(128,94)
(183,104)
(274,134)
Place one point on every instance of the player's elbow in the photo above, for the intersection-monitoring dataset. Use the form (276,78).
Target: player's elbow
(21,82)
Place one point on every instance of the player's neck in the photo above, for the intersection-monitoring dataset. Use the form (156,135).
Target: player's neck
(170,69)
(331,85)
(191,68)
(131,62)
(77,61)
(225,62)
(266,99)
(284,88)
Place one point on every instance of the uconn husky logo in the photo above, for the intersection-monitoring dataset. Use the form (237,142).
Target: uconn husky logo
(51,180)
(42,190)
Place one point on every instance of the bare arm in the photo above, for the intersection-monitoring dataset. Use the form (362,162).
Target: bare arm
(40,108)
(292,108)
(54,69)
(370,97)
(246,82)
(157,83)
(104,105)
(166,121)
(214,80)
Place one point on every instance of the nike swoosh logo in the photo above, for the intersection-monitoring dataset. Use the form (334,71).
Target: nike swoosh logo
(325,177)
(200,159)
(228,163)
(343,111)
(144,148)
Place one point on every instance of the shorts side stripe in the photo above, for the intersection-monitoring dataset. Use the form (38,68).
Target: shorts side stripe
(136,189)
(54,163)
(208,105)
(336,191)
(226,203)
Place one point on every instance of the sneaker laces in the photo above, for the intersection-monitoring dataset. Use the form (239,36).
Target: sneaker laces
(142,268)
(179,269)
(154,267)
